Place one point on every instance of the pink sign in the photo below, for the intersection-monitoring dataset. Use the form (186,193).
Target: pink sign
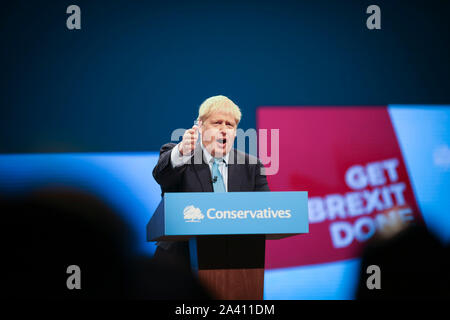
(349,161)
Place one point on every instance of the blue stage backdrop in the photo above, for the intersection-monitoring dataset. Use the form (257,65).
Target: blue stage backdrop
(136,70)
(123,180)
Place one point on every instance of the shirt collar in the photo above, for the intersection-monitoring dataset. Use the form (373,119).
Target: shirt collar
(209,157)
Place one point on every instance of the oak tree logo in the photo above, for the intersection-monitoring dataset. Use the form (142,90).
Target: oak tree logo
(192,214)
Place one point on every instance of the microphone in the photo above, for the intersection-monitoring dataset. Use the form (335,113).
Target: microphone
(214,180)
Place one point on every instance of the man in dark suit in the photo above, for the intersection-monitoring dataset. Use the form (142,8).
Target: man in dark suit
(209,164)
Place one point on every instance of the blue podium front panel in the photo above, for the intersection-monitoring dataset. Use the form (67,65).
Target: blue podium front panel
(207,213)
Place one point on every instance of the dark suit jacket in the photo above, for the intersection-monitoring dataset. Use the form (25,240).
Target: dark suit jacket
(245,173)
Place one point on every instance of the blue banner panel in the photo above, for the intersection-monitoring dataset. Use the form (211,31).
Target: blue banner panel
(236,213)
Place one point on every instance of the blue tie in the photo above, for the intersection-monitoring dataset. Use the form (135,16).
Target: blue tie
(218,184)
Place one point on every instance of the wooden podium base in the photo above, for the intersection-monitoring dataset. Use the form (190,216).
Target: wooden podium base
(232,266)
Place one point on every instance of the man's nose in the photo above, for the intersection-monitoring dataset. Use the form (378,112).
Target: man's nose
(223,129)
(223,132)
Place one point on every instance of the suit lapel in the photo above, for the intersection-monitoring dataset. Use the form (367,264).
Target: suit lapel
(202,170)
(234,172)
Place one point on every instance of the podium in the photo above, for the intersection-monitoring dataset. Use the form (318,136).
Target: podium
(227,234)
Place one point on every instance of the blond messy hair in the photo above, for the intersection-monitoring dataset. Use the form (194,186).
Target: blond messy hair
(218,104)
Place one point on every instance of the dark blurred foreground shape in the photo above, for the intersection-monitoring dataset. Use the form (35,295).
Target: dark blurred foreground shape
(414,264)
(44,233)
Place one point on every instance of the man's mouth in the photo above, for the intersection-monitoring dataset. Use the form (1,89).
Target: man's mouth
(222,141)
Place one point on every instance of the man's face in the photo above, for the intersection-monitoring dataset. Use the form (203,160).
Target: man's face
(218,133)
